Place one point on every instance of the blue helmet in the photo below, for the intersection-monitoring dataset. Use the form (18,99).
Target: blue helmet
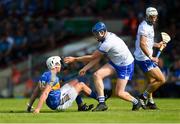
(100,26)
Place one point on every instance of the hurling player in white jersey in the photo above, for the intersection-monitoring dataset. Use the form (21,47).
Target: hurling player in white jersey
(143,56)
(121,62)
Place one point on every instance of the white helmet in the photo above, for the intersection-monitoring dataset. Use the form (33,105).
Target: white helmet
(150,11)
(53,62)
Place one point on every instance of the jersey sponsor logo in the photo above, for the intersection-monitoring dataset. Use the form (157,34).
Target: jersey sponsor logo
(56,87)
(64,99)
(42,84)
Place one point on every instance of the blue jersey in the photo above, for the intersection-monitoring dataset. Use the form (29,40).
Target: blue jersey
(51,79)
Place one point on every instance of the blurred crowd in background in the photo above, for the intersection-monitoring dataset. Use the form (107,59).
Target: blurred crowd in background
(37,26)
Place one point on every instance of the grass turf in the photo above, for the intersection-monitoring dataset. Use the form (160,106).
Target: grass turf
(13,110)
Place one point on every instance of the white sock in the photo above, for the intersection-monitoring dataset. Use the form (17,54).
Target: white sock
(101,99)
(151,100)
(135,101)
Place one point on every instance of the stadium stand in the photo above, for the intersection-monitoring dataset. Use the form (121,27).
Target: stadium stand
(34,27)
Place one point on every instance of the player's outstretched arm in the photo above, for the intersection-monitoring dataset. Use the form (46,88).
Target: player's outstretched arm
(88,66)
(33,98)
(96,54)
(43,98)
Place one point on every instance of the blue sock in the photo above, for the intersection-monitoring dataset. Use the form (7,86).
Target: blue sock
(79,100)
(93,95)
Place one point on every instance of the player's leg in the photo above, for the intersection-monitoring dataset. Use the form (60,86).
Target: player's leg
(99,75)
(120,92)
(150,101)
(67,96)
(154,76)
(157,79)
(80,86)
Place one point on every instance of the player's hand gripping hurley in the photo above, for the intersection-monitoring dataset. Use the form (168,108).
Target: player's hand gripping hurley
(166,38)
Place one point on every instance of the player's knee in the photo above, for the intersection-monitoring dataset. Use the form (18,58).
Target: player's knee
(119,94)
(162,80)
(81,84)
(96,75)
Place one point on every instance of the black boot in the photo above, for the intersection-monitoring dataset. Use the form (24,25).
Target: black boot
(101,107)
(85,107)
(152,106)
(142,101)
(137,106)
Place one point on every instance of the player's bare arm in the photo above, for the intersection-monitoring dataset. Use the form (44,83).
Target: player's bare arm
(33,98)
(88,66)
(43,98)
(96,54)
(158,45)
(143,45)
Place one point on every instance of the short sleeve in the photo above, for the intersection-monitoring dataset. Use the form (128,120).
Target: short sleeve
(104,48)
(143,30)
(48,79)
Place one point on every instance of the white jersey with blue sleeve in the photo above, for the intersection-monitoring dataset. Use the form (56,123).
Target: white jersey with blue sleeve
(148,31)
(116,50)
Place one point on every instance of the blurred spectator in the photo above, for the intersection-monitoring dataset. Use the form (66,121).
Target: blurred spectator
(6,43)
(46,35)
(34,26)
(164,69)
(15,79)
(176,76)
(34,39)
(30,83)
(107,87)
(20,43)
(16,75)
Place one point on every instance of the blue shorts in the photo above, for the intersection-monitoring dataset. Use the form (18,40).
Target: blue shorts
(53,100)
(146,65)
(124,72)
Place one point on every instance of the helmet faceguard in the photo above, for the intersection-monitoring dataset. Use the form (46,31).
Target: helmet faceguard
(99,30)
(151,15)
(53,62)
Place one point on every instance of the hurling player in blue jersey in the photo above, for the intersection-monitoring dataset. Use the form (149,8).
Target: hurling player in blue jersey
(55,97)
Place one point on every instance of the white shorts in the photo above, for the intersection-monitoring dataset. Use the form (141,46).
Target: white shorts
(68,96)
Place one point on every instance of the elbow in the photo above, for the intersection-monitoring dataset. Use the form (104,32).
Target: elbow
(142,45)
(94,57)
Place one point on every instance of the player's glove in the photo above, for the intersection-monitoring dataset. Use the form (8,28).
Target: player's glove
(29,108)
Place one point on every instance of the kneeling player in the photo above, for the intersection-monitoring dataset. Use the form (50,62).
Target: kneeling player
(58,98)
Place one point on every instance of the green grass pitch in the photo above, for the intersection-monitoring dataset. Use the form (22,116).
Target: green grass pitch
(13,110)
